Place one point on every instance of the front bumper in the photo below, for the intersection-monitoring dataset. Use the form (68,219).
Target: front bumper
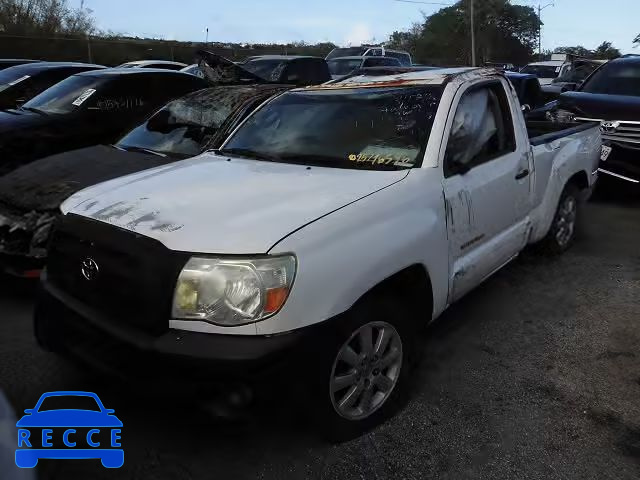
(623,163)
(65,325)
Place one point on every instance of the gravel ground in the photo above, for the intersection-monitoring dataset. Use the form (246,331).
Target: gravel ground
(536,374)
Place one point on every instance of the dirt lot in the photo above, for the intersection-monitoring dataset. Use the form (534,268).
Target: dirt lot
(536,374)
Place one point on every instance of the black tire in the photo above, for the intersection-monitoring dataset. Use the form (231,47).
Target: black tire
(560,239)
(375,311)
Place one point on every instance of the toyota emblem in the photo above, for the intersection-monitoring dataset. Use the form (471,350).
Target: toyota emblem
(89,269)
(609,127)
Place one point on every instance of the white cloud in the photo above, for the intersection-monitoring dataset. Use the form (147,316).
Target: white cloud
(360,33)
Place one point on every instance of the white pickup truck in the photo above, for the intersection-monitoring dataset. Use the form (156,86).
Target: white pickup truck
(333,223)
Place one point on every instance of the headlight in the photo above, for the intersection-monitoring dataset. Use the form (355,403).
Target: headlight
(561,116)
(230,292)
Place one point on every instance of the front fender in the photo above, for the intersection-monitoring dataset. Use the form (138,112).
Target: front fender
(344,255)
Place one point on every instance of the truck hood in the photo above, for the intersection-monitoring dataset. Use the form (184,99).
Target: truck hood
(600,106)
(215,204)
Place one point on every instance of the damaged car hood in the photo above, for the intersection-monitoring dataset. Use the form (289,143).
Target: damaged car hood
(213,204)
(43,185)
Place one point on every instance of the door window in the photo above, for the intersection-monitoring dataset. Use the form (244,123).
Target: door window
(482,129)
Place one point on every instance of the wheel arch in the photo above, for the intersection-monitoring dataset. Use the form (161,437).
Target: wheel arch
(414,283)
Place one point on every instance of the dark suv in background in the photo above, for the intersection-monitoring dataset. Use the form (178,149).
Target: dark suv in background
(610,96)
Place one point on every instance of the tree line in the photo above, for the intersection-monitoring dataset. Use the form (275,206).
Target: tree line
(504,32)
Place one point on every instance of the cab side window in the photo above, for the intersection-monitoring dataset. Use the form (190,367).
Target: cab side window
(482,129)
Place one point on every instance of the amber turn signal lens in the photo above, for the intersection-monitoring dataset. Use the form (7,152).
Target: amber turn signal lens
(275,298)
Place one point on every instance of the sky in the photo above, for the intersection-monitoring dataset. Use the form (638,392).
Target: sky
(344,22)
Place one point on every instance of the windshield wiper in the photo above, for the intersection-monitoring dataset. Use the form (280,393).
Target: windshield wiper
(130,148)
(248,153)
(35,110)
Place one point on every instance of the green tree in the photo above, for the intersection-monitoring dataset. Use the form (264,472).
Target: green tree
(607,51)
(44,17)
(504,33)
(604,51)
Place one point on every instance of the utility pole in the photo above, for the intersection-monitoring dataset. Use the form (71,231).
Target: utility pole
(540,8)
(473,36)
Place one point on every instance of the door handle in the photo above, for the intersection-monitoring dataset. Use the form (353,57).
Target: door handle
(524,173)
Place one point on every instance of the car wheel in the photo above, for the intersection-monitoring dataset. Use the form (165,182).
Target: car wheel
(364,378)
(563,228)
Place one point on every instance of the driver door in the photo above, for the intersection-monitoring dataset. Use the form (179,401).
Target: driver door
(487,168)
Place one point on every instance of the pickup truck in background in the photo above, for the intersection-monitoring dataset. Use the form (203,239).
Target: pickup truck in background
(610,96)
(331,226)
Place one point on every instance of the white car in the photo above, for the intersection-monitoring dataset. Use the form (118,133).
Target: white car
(547,71)
(333,224)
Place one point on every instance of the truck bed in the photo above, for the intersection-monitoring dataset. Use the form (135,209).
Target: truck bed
(547,131)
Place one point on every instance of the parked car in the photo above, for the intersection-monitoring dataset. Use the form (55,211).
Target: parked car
(292,69)
(546,71)
(335,222)
(21,83)
(12,62)
(30,196)
(580,69)
(87,109)
(611,98)
(341,66)
(371,50)
(154,64)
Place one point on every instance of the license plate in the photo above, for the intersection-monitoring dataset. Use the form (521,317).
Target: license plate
(605,152)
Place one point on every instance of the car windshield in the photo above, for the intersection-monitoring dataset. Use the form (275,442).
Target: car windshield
(371,128)
(616,78)
(184,126)
(12,76)
(69,402)
(264,67)
(67,96)
(542,71)
(343,66)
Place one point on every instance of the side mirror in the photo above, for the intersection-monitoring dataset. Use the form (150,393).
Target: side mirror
(109,411)
(29,411)
(569,87)
(526,108)
(20,102)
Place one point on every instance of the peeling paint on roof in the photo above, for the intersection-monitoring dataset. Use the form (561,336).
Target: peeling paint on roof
(421,77)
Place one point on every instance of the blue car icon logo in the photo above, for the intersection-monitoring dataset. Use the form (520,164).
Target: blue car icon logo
(69,425)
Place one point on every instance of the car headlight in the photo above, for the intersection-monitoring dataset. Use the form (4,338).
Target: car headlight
(561,116)
(233,291)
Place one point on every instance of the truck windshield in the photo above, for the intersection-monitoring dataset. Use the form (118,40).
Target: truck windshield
(615,79)
(185,125)
(343,66)
(67,96)
(370,128)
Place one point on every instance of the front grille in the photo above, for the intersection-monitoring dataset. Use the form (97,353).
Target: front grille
(135,274)
(625,132)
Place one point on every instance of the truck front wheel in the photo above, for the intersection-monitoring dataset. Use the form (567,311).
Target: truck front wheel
(563,228)
(363,379)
